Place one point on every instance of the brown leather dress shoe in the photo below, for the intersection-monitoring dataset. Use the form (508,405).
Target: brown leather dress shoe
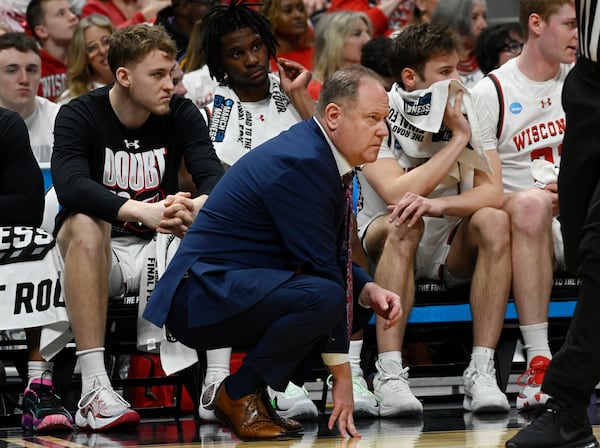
(247,417)
(289,424)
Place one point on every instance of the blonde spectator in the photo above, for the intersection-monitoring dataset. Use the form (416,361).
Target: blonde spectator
(339,39)
(88,66)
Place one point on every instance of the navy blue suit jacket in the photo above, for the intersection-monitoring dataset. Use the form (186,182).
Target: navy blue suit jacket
(278,211)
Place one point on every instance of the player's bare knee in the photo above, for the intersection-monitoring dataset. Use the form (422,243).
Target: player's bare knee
(404,238)
(84,233)
(492,226)
(531,212)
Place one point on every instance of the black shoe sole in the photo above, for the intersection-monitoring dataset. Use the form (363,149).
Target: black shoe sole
(588,442)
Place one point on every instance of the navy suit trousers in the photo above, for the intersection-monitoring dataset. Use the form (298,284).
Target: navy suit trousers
(281,333)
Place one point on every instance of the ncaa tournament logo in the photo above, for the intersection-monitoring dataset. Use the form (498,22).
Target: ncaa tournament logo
(421,106)
(515,108)
(221,111)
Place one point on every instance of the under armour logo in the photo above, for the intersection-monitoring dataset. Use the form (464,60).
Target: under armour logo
(134,144)
(546,102)
(262,117)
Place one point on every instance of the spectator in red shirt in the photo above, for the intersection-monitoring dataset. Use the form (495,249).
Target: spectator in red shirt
(295,37)
(52,23)
(125,12)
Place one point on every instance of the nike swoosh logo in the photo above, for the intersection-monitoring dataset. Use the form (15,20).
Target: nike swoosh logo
(275,404)
(571,436)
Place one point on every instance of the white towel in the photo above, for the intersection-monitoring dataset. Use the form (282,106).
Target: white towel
(174,355)
(543,172)
(416,120)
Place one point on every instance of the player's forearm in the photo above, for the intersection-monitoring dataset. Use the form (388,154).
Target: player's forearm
(468,202)
(131,211)
(423,179)
(199,203)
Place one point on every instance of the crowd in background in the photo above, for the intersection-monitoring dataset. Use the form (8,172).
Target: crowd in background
(246,72)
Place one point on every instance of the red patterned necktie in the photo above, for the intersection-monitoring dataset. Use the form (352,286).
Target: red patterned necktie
(347,185)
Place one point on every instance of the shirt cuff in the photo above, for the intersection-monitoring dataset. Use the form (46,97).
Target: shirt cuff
(334,359)
(367,307)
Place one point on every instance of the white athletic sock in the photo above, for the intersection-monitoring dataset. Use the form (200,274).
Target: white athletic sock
(354,355)
(217,361)
(92,366)
(535,339)
(481,357)
(393,356)
(35,369)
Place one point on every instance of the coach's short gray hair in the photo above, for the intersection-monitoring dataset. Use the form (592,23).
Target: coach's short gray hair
(341,87)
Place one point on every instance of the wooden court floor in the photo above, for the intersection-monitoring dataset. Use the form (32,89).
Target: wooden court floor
(446,426)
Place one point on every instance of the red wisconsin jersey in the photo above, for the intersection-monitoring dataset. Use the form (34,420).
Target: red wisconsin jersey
(54,76)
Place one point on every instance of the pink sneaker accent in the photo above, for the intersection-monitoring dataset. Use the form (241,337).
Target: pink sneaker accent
(42,408)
